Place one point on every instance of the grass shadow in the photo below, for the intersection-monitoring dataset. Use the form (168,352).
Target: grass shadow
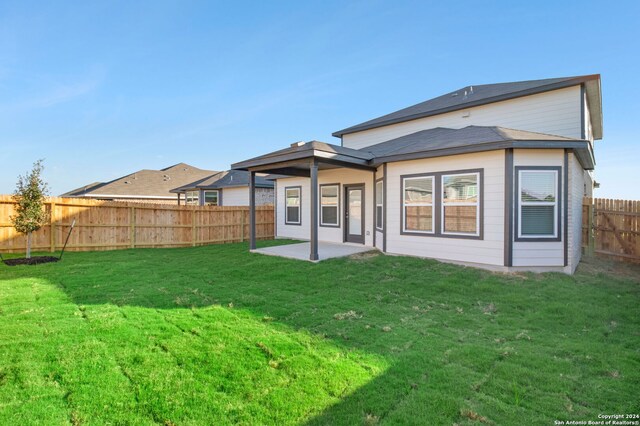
(457,344)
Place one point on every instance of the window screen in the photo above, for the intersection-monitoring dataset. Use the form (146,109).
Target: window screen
(418,204)
(292,212)
(460,201)
(329,199)
(538,203)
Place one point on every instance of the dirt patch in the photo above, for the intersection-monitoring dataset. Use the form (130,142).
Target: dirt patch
(365,255)
(593,265)
(36,260)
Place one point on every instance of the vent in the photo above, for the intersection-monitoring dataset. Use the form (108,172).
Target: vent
(297,144)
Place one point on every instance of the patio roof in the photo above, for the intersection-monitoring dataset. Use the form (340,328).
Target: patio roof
(296,160)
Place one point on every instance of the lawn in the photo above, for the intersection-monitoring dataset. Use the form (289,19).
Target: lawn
(216,335)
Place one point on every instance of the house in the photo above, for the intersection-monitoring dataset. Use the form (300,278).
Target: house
(148,186)
(230,188)
(491,176)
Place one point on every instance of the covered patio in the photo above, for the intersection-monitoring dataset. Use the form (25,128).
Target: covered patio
(325,250)
(305,160)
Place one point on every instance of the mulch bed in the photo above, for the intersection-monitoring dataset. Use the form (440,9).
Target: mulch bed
(36,260)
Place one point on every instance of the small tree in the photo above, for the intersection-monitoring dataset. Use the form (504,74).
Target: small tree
(29,196)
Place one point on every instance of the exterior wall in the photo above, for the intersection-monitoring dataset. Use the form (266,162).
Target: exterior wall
(379,235)
(588,175)
(489,250)
(539,253)
(240,196)
(587,120)
(576,192)
(328,234)
(557,112)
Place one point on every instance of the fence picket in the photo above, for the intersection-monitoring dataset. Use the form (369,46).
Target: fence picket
(107,225)
(612,228)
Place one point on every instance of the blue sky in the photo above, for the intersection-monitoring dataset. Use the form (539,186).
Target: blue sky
(102,89)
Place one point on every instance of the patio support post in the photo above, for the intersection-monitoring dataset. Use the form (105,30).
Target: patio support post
(252,211)
(313,211)
(178,198)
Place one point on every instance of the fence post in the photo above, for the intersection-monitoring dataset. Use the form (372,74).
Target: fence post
(193,228)
(590,229)
(242,226)
(132,226)
(52,225)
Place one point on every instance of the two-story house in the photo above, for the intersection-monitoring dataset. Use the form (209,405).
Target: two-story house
(490,176)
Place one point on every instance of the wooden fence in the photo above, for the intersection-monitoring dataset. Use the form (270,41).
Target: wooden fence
(102,225)
(611,228)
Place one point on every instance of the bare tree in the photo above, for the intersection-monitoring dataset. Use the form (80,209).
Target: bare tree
(29,196)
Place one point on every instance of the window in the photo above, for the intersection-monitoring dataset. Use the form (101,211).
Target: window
(538,195)
(460,204)
(211,198)
(379,204)
(418,204)
(192,198)
(292,202)
(329,204)
(443,204)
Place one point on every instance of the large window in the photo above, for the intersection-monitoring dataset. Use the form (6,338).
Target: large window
(211,198)
(379,204)
(443,204)
(538,198)
(460,201)
(192,198)
(418,204)
(292,202)
(329,204)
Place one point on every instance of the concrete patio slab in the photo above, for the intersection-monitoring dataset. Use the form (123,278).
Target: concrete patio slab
(300,251)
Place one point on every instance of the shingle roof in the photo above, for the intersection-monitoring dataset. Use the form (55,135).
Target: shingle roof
(429,143)
(79,192)
(227,179)
(445,138)
(444,141)
(304,150)
(144,183)
(469,96)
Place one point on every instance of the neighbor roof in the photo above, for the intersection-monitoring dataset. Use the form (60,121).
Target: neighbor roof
(79,192)
(476,95)
(228,179)
(144,183)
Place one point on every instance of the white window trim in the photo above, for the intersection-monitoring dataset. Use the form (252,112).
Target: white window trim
(204,197)
(379,203)
(538,203)
(404,206)
(476,204)
(337,206)
(286,206)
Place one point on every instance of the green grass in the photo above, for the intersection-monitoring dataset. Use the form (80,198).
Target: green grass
(215,335)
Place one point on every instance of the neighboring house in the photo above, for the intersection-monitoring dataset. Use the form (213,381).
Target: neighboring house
(149,186)
(230,188)
(490,176)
